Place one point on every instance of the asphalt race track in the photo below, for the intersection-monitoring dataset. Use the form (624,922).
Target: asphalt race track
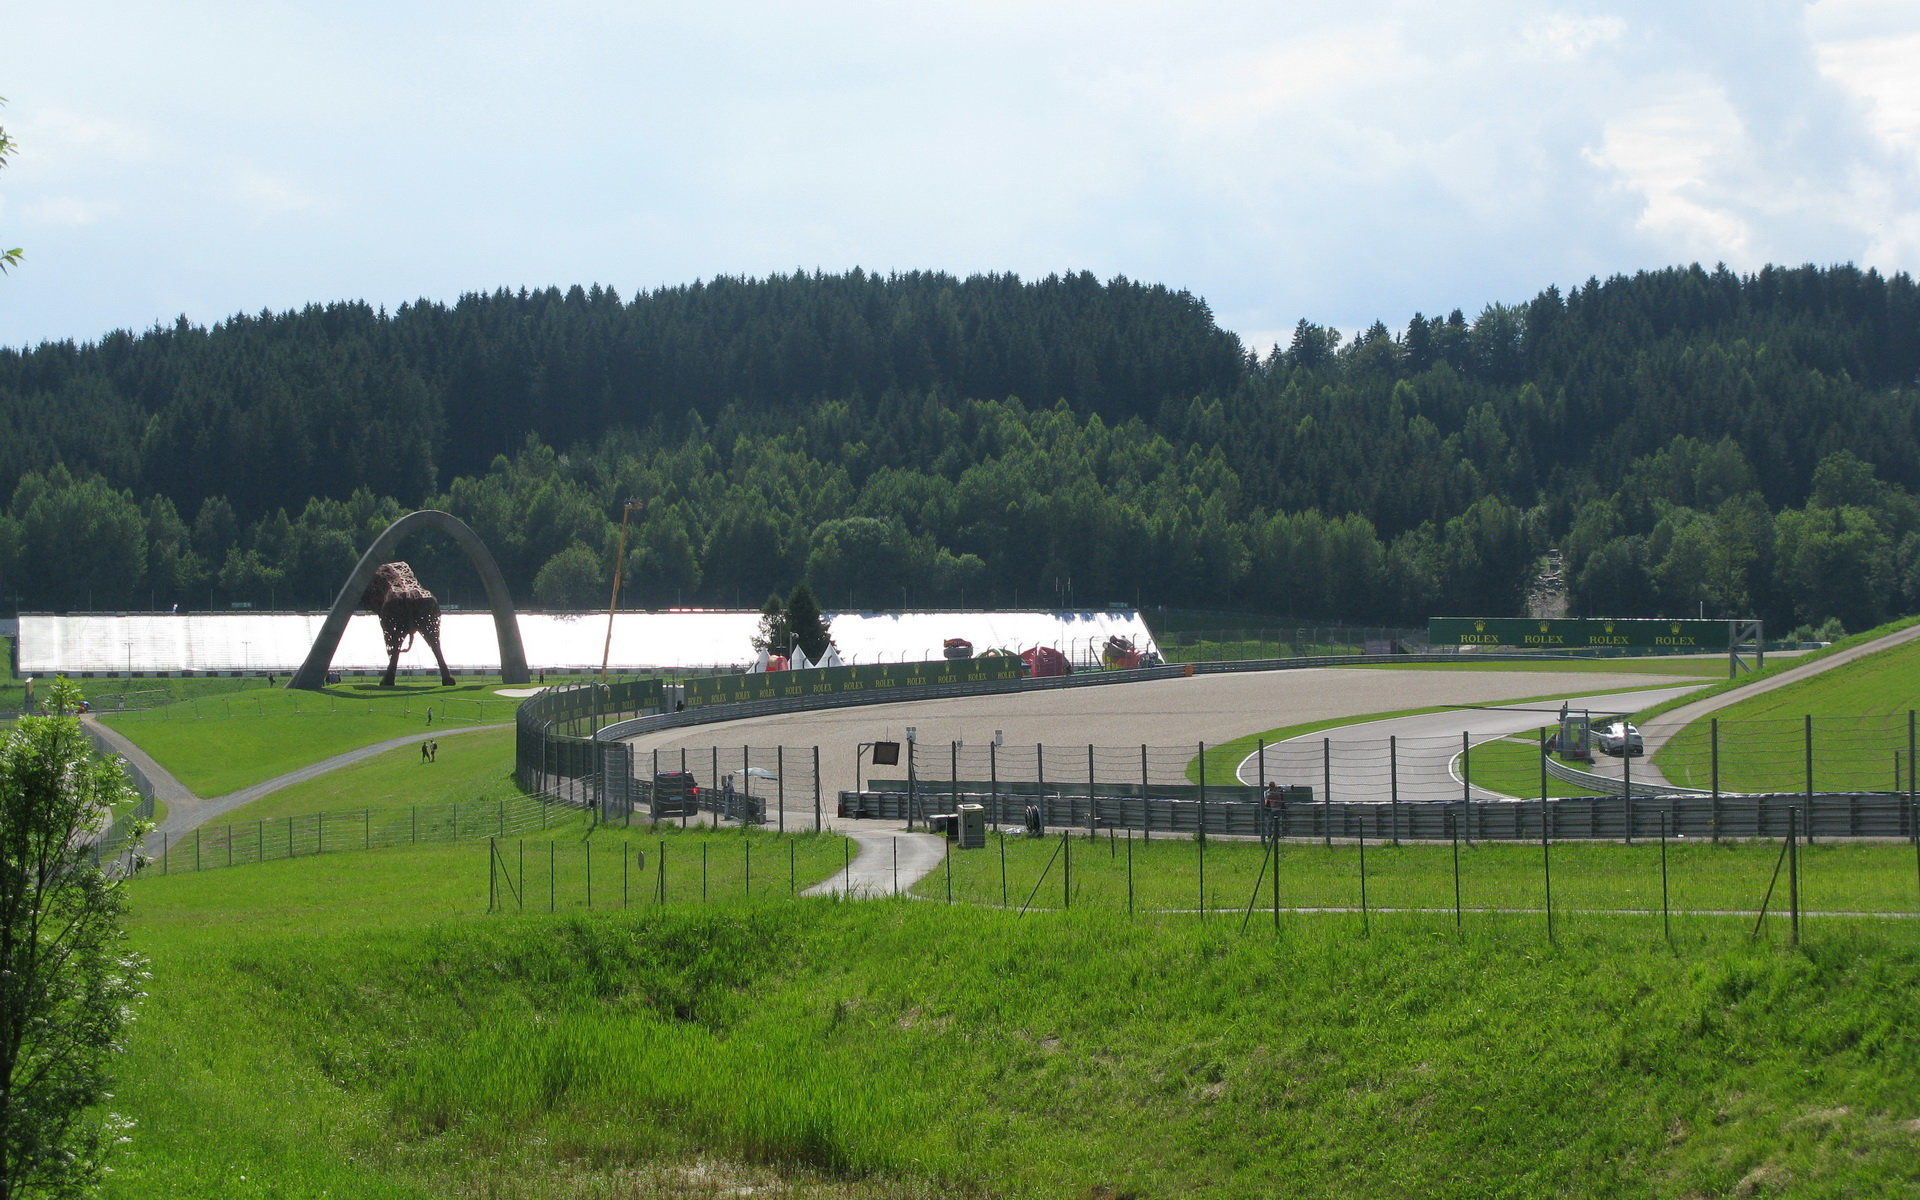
(1182,712)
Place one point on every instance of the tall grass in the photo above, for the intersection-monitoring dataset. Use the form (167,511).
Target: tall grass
(898,1048)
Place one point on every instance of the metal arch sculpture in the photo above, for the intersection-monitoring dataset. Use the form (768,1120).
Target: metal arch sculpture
(312,675)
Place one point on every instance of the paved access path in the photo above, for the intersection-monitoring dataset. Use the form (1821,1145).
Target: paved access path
(1672,722)
(889,863)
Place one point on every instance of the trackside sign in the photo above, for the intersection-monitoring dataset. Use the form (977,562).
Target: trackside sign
(1592,633)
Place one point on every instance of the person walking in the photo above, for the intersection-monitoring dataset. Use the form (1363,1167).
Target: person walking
(424,753)
(433,751)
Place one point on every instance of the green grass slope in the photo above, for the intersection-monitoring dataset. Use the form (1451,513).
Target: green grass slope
(1860,726)
(321,1028)
(221,744)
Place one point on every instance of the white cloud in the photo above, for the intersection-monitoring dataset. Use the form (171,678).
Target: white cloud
(1679,155)
(1281,161)
(1881,72)
(1562,36)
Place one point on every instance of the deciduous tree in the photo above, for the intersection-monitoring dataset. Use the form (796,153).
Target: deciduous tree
(68,983)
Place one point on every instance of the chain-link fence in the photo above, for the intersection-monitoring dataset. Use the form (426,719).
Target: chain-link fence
(301,836)
(775,786)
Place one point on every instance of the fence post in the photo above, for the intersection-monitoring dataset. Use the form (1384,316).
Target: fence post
(1146,804)
(1066,870)
(1203,796)
(1713,748)
(1200,847)
(1091,802)
(1793,869)
(1453,831)
(1366,920)
(1808,722)
(552,875)
(1326,789)
(1261,754)
(491,865)
(1393,782)
(1466,769)
(1666,912)
(816,789)
(1546,853)
(1626,788)
(780,784)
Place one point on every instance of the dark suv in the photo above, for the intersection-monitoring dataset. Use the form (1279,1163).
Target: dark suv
(675,794)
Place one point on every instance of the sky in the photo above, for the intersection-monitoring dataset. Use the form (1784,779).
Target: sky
(1338,163)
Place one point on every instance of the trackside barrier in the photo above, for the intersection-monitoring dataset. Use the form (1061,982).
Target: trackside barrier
(1587,818)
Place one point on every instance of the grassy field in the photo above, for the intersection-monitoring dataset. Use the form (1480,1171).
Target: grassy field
(219,745)
(1702,883)
(469,766)
(1860,731)
(1511,766)
(652,1013)
(357,1025)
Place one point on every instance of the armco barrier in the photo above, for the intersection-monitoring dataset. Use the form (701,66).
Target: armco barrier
(1588,818)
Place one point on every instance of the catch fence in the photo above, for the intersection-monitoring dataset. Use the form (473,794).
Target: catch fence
(1666,885)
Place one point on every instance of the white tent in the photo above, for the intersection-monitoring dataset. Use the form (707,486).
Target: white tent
(163,643)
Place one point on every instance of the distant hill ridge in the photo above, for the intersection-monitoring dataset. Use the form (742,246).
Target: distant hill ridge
(1690,438)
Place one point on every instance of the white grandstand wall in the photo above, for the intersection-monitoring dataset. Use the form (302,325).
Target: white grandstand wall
(263,643)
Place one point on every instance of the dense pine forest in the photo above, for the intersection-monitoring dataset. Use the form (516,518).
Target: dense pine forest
(1688,440)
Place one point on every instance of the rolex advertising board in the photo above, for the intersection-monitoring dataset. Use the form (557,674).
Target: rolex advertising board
(1586,633)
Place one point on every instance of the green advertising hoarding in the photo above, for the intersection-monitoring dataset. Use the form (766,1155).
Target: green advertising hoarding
(827,681)
(1586,633)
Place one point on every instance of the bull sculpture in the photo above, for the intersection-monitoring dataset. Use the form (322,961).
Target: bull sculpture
(404,608)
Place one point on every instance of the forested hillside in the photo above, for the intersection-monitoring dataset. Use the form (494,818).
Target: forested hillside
(1690,440)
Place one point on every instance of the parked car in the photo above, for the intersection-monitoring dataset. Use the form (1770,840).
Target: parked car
(675,794)
(1621,738)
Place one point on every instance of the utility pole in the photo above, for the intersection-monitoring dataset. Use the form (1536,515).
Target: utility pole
(619,562)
